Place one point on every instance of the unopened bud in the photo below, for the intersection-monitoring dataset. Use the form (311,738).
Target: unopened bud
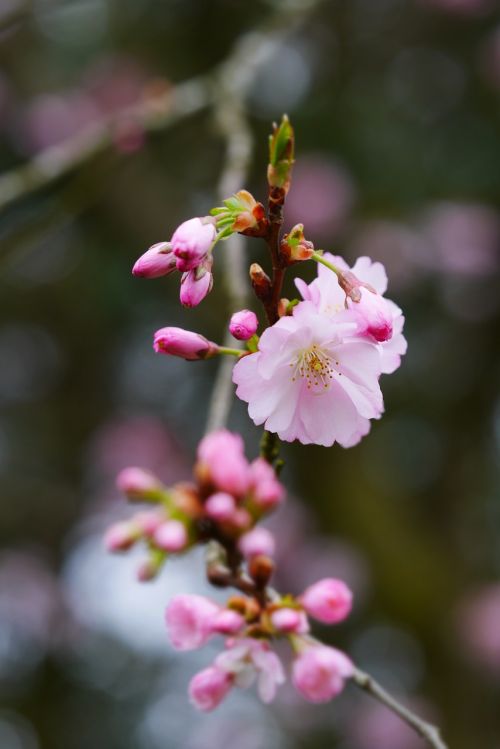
(295,247)
(261,282)
(183,343)
(351,285)
(243,324)
(281,156)
(138,484)
(260,569)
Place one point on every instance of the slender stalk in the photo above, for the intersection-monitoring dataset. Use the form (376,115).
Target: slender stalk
(230,351)
(320,259)
(426,730)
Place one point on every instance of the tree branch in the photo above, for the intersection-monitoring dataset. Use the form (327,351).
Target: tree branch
(426,730)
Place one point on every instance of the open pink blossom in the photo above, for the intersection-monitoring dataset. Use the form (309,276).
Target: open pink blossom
(222,460)
(189,621)
(191,241)
(319,671)
(208,688)
(312,379)
(376,317)
(158,261)
(328,600)
(247,659)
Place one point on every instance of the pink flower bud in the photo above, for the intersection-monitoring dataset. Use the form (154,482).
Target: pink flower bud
(220,507)
(137,483)
(290,620)
(257,542)
(121,536)
(189,620)
(227,622)
(149,521)
(243,325)
(183,343)
(328,600)
(195,285)
(171,536)
(158,261)
(267,490)
(374,315)
(208,688)
(221,458)
(191,241)
(319,671)
(148,570)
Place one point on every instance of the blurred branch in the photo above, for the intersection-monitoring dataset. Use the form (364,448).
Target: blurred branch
(426,730)
(234,127)
(57,161)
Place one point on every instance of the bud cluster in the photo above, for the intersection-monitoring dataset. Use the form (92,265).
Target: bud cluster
(227,499)
(253,625)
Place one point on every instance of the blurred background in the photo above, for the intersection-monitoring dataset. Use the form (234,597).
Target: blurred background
(396,105)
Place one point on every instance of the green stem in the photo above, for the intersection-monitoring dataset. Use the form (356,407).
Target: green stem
(230,351)
(320,259)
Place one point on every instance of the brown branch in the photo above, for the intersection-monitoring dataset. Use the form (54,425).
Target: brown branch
(426,730)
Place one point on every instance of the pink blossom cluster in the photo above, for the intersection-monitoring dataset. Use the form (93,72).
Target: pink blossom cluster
(315,375)
(190,252)
(252,626)
(229,496)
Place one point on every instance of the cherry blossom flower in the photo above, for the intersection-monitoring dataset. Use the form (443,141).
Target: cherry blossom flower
(208,688)
(377,318)
(247,659)
(319,671)
(313,378)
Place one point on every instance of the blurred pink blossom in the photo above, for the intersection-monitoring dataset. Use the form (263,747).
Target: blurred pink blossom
(323,192)
(461,238)
(478,626)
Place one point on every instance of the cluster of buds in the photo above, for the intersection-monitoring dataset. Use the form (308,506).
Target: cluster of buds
(227,499)
(190,252)
(253,624)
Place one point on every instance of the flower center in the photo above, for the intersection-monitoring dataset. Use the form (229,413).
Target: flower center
(315,367)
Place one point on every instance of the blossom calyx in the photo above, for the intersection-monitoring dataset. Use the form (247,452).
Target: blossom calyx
(183,343)
(295,247)
(241,213)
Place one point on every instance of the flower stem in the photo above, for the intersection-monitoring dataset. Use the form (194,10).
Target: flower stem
(320,259)
(230,351)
